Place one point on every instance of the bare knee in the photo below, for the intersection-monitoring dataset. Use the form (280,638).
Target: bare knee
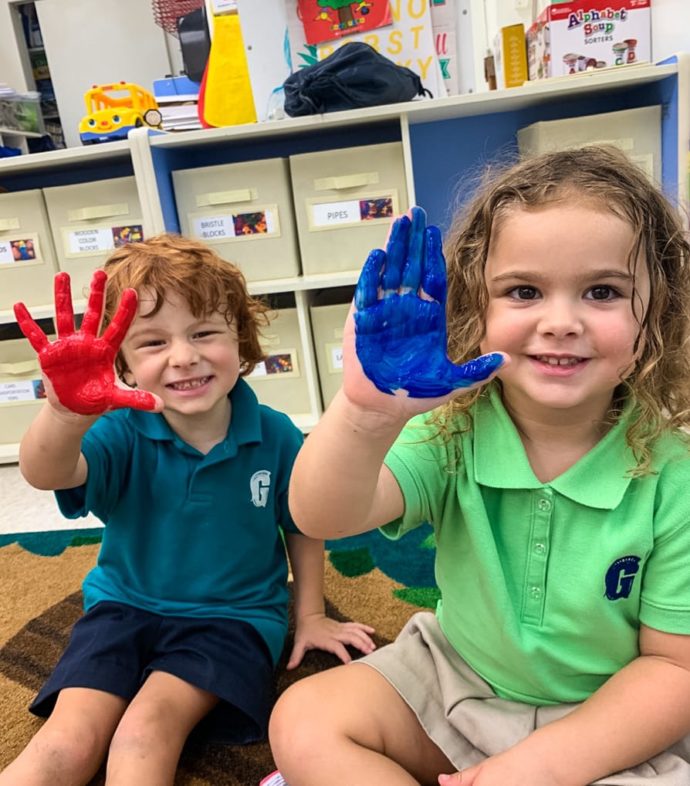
(142,727)
(59,754)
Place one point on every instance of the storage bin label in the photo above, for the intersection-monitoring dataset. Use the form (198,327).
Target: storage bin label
(281,363)
(87,241)
(22,390)
(255,224)
(21,249)
(351,212)
(334,353)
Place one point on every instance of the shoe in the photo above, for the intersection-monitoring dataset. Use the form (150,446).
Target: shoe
(274,779)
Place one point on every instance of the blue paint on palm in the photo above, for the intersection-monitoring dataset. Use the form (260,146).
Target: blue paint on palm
(400,321)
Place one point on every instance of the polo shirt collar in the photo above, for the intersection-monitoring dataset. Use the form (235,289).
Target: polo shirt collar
(598,480)
(245,420)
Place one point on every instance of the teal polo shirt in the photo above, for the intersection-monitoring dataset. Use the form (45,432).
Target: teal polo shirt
(544,585)
(191,534)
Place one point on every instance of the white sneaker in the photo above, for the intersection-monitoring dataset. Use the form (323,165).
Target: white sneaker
(274,779)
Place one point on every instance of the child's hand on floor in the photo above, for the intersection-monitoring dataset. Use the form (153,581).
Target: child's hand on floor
(317,631)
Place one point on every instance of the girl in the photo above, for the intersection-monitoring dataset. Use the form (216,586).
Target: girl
(559,654)
(186,610)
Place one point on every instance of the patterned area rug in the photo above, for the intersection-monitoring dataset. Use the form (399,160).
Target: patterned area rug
(367,578)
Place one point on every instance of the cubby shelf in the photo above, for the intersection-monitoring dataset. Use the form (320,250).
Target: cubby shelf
(445,143)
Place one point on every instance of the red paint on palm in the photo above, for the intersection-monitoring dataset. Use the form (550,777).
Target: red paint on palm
(80,364)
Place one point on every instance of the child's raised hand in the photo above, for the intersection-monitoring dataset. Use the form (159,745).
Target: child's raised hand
(400,318)
(79,365)
(319,632)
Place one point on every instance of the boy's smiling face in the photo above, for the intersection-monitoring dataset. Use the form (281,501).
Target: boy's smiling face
(191,363)
(565,306)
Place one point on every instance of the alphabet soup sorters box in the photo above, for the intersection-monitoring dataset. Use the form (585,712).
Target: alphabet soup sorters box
(571,37)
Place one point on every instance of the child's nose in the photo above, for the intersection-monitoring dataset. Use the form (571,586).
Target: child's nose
(560,319)
(183,353)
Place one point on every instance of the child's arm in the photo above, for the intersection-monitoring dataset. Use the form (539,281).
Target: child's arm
(395,366)
(638,713)
(79,378)
(313,629)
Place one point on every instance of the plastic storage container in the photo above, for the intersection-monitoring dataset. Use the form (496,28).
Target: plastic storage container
(245,212)
(344,202)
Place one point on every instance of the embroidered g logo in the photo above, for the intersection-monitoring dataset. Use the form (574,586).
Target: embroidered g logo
(259,485)
(620,577)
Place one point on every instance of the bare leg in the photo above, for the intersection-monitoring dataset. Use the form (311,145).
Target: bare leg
(349,727)
(70,746)
(147,743)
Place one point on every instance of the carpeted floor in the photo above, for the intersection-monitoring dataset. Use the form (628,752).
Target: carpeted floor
(367,578)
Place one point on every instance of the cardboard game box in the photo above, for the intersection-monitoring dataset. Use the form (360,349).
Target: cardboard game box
(582,35)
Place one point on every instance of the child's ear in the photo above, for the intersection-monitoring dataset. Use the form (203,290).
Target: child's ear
(128,378)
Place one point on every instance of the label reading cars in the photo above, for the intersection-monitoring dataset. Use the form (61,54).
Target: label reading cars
(22,390)
(237,225)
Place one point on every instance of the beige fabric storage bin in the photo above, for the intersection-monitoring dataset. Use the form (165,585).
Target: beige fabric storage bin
(89,221)
(281,381)
(344,202)
(635,131)
(327,323)
(244,211)
(21,389)
(27,257)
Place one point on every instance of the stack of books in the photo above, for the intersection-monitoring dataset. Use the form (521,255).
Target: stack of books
(178,99)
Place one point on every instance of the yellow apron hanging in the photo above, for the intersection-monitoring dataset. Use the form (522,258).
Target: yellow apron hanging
(227,92)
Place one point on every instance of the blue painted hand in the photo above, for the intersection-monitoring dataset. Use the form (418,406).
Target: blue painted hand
(400,320)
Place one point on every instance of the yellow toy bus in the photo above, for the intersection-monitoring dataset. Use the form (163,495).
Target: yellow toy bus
(112,110)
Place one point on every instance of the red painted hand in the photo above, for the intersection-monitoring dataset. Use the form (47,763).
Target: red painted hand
(80,365)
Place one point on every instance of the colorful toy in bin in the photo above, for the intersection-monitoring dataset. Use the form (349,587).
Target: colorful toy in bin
(113,110)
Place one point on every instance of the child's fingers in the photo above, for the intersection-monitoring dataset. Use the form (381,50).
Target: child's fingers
(396,254)
(64,313)
(37,338)
(414,262)
(115,332)
(367,289)
(136,399)
(477,370)
(434,274)
(94,308)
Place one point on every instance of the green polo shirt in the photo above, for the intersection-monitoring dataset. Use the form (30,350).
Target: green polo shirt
(544,585)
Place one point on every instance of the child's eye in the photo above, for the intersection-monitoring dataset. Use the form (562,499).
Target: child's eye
(602,292)
(205,333)
(524,293)
(154,342)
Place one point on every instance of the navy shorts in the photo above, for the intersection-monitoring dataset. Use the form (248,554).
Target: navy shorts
(114,647)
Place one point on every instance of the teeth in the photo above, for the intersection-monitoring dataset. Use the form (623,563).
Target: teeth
(552,361)
(190,384)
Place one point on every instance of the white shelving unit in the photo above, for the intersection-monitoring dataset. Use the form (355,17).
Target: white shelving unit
(445,142)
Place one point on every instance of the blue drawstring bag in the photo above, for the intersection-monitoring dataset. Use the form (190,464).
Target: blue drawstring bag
(355,75)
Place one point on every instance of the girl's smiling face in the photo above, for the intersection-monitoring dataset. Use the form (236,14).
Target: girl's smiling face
(565,305)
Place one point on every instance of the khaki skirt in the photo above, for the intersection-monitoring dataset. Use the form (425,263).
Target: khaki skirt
(464,717)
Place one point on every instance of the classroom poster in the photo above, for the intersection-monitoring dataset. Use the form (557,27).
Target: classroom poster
(326,20)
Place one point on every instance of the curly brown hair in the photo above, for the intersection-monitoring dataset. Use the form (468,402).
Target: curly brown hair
(659,385)
(171,263)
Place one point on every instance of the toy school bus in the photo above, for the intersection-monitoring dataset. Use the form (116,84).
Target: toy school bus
(113,110)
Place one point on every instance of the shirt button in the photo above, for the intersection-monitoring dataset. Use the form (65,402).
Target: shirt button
(544,504)
(535,592)
(539,548)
